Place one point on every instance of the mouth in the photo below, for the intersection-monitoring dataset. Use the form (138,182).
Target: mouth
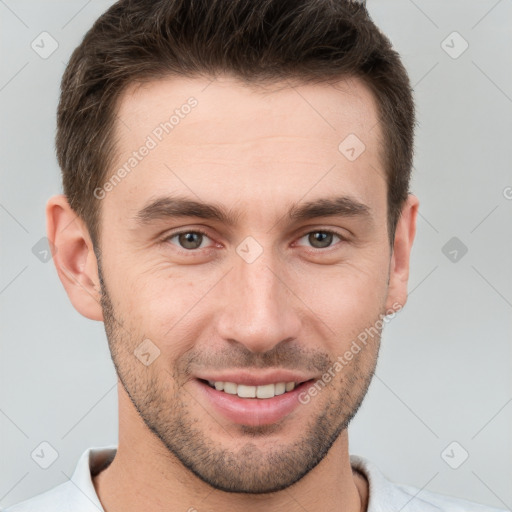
(252,405)
(263,392)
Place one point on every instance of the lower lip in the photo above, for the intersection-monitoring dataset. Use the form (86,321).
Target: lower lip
(253,411)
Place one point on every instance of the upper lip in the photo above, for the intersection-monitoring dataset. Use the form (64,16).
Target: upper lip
(256,379)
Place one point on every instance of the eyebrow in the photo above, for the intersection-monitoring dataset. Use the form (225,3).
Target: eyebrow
(167,207)
(343,206)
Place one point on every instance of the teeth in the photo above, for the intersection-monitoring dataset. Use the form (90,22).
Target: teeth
(281,388)
(244,391)
(266,391)
(230,387)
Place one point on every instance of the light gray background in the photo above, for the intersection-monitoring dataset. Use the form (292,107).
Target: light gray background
(444,373)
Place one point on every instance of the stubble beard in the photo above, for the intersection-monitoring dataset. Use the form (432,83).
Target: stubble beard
(256,466)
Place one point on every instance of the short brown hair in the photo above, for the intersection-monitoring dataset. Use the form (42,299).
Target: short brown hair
(253,40)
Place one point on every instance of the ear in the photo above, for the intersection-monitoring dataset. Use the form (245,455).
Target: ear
(402,245)
(74,257)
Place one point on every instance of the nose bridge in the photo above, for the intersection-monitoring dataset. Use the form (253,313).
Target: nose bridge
(258,309)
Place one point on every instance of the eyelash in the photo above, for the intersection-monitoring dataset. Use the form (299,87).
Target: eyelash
(312,249)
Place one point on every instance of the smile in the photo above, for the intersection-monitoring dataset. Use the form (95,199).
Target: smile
(250,405)
(244,391)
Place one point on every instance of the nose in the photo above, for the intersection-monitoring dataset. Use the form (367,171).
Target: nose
(260,309)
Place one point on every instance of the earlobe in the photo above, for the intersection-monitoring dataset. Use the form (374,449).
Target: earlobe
(74,257)
(400,259)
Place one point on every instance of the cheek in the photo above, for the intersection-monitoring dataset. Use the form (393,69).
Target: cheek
(346,296)
(160,306)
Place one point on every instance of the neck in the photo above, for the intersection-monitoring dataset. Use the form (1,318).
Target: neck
(144,475)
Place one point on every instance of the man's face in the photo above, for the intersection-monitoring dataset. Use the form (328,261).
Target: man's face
(266,298)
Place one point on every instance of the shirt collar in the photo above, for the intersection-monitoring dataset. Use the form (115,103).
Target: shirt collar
(91,462)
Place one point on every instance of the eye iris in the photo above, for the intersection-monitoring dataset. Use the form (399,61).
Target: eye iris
(323,236)
(189,240)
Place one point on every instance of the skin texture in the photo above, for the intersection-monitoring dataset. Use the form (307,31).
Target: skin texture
(298,306)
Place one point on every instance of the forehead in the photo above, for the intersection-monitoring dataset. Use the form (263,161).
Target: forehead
(226,139)
(348,103)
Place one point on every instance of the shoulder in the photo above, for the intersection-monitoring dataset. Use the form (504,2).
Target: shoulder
(385,495)
(425,500)
(78,493)
(53,500)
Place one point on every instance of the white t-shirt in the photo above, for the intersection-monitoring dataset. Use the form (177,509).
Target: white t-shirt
(78,494)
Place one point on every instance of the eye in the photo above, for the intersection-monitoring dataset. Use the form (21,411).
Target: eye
(188,240)
(192,240)
(321,239)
